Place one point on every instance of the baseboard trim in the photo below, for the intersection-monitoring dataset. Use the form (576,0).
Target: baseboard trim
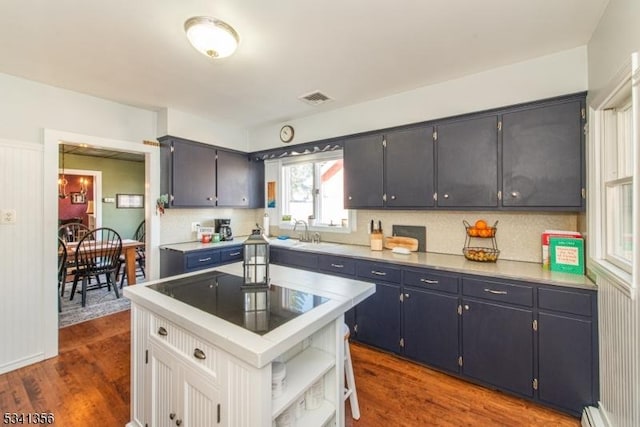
(593,417)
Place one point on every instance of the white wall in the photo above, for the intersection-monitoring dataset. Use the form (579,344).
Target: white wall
(28,249)
(177,123)
(613,41)
(27,107)
(544,77)
(616,37)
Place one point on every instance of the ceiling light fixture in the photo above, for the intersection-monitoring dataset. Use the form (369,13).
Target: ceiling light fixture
(212,37)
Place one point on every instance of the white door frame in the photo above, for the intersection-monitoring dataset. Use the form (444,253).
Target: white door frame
(50,215)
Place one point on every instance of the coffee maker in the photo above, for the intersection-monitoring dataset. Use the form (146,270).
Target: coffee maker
(223,227)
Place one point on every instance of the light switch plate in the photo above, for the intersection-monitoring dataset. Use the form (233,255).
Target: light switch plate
(7,216)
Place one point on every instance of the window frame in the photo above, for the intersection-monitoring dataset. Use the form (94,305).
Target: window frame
(600,261)
(279,164)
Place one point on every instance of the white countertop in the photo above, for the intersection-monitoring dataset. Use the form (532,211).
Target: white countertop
(197,245)
(258,350)
(502,269)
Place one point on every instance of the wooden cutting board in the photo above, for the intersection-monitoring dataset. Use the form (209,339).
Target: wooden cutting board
(401,242)
(416,231)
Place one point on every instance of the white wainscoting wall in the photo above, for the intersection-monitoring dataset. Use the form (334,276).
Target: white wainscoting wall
(619,336)
(23,292)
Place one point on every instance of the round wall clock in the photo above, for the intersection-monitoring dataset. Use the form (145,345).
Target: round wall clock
(286,133)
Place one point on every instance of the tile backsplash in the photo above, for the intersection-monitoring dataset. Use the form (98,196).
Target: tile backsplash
(518,235)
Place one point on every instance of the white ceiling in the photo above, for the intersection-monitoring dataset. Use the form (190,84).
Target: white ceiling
(135,51)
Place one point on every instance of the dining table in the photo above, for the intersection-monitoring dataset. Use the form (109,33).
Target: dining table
(129,250)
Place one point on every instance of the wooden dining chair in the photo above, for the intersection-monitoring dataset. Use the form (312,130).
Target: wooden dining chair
(139,235)
(62,269)
(72,232)
(98,252)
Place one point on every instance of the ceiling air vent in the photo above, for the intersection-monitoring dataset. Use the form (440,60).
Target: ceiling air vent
(315,98)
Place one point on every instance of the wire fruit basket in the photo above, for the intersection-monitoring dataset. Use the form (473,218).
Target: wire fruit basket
(484,233)
(481,254)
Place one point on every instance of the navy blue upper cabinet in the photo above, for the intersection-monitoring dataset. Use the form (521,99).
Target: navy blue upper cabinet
(197,175)
(191,176)
(542,156)
(394,169)
(363,172)
(467,153)
(409,167)
(239,180)
(526,156)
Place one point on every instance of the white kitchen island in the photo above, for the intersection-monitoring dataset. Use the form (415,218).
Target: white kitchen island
(193,369)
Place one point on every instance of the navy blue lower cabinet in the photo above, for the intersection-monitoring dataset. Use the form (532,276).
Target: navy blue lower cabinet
(378,318)
(565,365)
(497,345)
(430,328)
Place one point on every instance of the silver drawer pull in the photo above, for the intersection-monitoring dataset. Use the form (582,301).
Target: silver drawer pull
(428,281)
(491,291)
(199,354)
(378,273)
(234,254)
(337,265)
(204,259)
(162,331)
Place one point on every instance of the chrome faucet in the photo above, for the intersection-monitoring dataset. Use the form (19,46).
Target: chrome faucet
(304,237)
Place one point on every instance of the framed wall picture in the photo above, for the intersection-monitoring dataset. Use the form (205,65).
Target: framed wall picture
(128,201)
(78,199)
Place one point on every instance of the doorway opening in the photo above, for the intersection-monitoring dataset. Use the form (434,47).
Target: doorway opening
(52,139)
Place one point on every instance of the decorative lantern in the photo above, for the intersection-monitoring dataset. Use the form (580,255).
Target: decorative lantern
(256,260)
(256,308)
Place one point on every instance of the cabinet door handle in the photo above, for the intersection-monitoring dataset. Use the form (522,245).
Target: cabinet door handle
(234,254)
(204,259)
(172,415)
(514,194)
(178,422)
(445,196)
(429,282)
(350,198)
(210,199)
(378,273)
(491,291)
(162,331)
(407,295)
(199,354)
(337,265)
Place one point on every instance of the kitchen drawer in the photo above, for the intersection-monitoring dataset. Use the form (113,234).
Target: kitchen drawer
(429,280)
(198,352)
(376,271)
(565,301)
(300,259)
(337,265)
(231,254)
(202,259)
(497,291)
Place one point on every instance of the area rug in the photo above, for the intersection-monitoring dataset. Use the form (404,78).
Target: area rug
(100,302)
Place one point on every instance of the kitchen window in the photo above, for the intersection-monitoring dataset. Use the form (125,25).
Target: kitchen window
(613,165)
(618,183)
(310,189)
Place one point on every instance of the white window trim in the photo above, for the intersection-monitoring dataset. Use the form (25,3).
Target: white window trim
(276,213)
(596,262)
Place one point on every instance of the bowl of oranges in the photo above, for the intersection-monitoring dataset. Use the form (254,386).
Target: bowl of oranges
(480,229)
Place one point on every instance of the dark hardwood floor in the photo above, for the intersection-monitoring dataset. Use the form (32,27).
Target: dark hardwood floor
(88,384)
